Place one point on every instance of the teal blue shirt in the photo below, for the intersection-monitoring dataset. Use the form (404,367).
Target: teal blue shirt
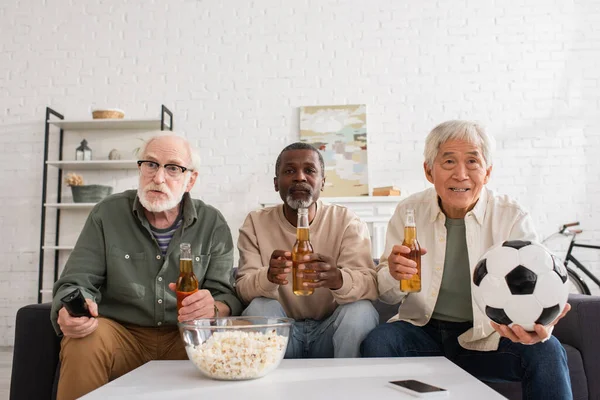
(118,262)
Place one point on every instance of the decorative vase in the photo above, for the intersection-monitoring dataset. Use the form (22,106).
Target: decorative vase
(90,193)
(114,155)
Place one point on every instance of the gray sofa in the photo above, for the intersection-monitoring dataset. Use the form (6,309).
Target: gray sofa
(35,357)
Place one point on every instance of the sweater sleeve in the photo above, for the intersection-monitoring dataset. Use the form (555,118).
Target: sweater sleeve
(356,265)
(251,281)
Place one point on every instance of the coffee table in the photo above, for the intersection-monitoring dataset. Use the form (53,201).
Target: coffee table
(308,379)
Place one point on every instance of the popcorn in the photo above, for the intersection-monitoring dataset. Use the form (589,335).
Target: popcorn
(231,355)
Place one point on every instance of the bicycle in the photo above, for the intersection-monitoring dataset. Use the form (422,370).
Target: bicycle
(578,285)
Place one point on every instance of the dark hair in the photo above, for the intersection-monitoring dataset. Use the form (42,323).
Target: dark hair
(299,146)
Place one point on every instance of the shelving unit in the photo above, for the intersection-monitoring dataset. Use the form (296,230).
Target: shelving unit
(98,127)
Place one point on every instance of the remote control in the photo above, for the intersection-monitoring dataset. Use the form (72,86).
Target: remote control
(75,304)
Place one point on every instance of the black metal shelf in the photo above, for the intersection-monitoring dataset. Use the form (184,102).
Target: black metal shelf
(58,120)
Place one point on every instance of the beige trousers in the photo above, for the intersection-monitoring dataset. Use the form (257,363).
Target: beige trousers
(112,350)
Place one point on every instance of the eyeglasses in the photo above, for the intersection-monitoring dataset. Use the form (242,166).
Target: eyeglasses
(150,168)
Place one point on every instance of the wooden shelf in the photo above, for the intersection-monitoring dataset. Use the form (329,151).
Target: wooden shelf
(70,205)
(108,124)
(94,164)
(58,247)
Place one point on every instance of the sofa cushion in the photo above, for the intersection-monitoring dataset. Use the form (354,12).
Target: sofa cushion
(512,390)
(577,373)
(386,311)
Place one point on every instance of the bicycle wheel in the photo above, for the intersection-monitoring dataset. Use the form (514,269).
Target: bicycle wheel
(576,284)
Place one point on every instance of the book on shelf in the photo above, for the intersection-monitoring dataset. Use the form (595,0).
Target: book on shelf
(386,191)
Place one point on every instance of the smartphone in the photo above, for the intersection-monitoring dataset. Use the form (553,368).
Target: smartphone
(419,389)
(75,304)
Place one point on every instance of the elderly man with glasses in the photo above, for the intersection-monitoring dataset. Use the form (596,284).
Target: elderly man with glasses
(125,263)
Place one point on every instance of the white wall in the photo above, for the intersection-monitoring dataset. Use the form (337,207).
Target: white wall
(235,73)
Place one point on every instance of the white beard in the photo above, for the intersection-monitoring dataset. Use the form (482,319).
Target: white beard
(172,200)
(296,204)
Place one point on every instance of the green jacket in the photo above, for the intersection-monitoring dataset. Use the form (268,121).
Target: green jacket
(118,263)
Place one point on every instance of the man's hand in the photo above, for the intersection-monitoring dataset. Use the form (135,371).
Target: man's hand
(78,327)
(325,272)
(519,335)
(280,266)
(198,305)
(401,267)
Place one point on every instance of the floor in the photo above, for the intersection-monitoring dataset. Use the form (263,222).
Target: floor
(5,368)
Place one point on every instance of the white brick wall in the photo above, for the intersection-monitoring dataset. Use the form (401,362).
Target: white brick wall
(234,74)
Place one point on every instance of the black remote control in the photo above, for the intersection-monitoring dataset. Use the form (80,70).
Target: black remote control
(75,304)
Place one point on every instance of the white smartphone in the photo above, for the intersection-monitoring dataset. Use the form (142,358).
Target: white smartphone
(419,389)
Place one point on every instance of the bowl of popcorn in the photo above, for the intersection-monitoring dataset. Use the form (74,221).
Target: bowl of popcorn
(236,348)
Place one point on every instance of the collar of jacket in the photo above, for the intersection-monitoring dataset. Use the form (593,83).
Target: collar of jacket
(478,211)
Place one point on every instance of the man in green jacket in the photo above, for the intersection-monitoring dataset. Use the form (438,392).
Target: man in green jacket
(126,263)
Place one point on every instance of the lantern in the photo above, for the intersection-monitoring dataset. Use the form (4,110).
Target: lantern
(83,152)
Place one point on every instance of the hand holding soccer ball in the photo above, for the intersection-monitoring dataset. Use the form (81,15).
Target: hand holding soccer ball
(521,283)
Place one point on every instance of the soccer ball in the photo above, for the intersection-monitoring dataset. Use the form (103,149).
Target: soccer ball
(520,282)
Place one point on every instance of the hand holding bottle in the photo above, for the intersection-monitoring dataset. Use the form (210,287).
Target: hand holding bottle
(409,261)
(199,304)
(187,282)
(280,265)
(400,266)
(301,248)
(322,272)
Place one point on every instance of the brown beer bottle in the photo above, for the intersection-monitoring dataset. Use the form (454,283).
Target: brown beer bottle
(301,248)
(187,283)
(410,240)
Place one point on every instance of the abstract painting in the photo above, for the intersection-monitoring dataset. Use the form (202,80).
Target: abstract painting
(340,133)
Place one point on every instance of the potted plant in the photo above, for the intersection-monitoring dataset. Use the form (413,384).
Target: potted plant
(86,193)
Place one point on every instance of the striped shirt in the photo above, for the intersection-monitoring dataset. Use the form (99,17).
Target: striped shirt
(164,236)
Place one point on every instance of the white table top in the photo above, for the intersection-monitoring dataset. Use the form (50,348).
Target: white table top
(308,379)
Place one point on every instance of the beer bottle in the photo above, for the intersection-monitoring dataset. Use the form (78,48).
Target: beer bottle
(410,240)
(187,283)
(301,248)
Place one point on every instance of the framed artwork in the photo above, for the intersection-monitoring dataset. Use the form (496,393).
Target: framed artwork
(340,134)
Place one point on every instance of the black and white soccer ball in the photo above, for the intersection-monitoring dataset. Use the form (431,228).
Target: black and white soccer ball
(520,282)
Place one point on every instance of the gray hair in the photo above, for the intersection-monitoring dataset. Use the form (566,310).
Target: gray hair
(193,154)
(300,146)
(468,131)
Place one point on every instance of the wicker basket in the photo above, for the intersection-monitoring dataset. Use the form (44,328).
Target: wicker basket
(108,114)
(90,193)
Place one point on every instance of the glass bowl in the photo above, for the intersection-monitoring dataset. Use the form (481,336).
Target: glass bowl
(236,348)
